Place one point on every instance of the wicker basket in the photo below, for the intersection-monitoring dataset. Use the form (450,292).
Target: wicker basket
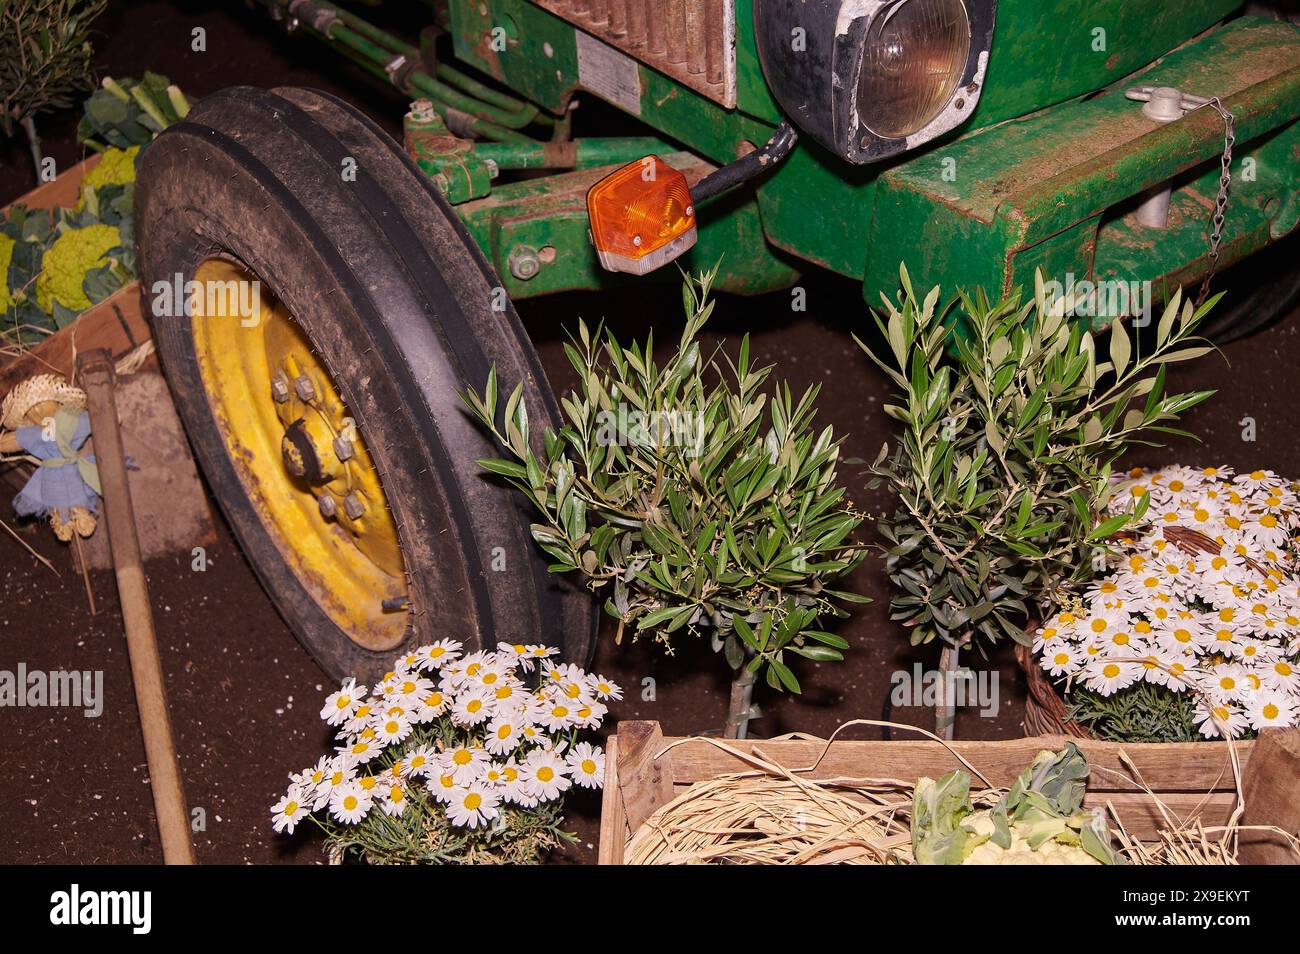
(1045,710)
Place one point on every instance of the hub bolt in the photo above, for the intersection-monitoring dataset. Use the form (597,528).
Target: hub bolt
(353,506)
(328,507)
(305,389)
(279,389)
(524,262)
(343,448)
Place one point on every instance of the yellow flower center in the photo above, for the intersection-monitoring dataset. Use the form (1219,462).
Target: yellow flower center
(1270,711)
(589,767)
(1111,671)
(349,802)
(545,773)
(462,757)
(473,800)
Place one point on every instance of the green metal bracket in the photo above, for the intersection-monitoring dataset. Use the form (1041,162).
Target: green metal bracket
(536,234)
(453,165)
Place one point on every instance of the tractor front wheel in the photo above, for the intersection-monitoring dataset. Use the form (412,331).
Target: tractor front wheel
(316,306)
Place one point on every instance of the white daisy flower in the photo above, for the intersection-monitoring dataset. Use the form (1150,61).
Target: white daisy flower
(586,765)
(465,764)
(421,762)
(349,803)
(342,705)
(289,810)
(393,798)
(1060,658)
(361,749)
(441,786)
(606,690)
(392,729)
(503,735)
(1220,721)
(439,654)
(545,774)
(473,707)
(1108,675)
(473,807)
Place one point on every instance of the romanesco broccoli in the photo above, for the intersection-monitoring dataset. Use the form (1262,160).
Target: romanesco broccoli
(64,267)
(117,167)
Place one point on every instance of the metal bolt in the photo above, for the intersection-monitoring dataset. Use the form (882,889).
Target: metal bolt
(353,507)
(524,263)
(328,507)
(343,448)
(493,170)
(279,389)
(305,389)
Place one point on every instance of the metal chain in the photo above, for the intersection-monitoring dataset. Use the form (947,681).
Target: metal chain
(1221,203)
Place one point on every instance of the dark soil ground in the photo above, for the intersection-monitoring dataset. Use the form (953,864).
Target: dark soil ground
(244,696)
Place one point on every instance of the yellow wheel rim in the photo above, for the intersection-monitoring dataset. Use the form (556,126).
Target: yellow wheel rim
(299,454)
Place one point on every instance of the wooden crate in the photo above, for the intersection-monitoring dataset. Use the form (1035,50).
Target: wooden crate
(1193,778)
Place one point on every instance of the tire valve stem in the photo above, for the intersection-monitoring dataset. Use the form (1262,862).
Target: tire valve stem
(396,604)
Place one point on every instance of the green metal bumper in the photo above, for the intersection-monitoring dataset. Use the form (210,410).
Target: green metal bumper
(1056,190)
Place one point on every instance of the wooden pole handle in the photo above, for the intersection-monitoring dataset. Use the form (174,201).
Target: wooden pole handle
(95,376)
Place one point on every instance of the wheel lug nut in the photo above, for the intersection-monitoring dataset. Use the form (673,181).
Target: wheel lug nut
(279,389)
(343,448)
(353,506)
(305,389)
(328,507)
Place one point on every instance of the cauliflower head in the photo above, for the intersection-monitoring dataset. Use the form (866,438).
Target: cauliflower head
(66,262)
(117,167)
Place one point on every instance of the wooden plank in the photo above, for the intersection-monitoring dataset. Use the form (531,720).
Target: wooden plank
(61,191)
(117,325)
(646,781)
(613,826)
(1172,767)
(1269,793)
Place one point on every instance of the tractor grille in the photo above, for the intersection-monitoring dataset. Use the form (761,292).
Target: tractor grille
(693,41)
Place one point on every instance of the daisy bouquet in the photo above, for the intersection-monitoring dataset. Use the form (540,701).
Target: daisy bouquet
(1195,632)
(453,758)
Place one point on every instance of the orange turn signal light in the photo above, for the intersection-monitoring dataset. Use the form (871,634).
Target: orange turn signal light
(641,216)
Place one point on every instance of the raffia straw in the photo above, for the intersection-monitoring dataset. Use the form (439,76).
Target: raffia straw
(772,815)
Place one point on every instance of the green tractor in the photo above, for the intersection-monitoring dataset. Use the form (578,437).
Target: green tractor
(341,287)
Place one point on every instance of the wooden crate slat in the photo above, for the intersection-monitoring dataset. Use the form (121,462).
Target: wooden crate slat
(61,192)
(613,827)
(117,324)
(1174,767)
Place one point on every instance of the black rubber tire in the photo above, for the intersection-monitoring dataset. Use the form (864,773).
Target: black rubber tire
(398,303)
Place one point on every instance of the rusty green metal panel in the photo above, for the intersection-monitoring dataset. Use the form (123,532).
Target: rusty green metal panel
(986,209)
(540,60)
(1047,52)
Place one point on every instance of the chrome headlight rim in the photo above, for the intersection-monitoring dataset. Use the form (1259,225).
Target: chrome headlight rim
(817,83)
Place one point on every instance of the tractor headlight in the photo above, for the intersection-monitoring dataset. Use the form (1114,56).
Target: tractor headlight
(872,78)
